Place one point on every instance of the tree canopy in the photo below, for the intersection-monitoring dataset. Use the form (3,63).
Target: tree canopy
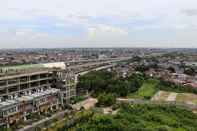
(137,118)
(108,82)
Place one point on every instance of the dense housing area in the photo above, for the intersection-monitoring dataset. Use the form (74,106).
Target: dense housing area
(145,91)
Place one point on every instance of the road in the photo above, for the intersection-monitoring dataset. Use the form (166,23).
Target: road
(99,63)
(95,60)
(141,101)
(38,123)
(97,69)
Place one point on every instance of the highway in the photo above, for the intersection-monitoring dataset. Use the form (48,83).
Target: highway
(99,63)
(97,69)
(94,60)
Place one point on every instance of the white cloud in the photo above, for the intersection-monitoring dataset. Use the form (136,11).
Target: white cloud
(190,12)
(106,32)
(176,15)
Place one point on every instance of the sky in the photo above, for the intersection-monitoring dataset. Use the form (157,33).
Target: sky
(98,23)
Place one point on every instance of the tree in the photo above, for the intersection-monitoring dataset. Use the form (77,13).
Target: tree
(171,69)
(142,68)
(100,82)
(136,59)
(106,99)
(135,82)
(189,71)
(138,118)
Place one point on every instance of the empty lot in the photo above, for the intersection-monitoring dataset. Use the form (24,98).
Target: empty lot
(187,98)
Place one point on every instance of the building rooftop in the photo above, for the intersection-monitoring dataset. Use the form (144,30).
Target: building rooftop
(24,98)
(31,68)
(7,103)
(20,73)
(28,97)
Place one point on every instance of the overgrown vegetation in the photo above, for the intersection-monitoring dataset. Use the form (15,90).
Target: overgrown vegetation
(106,99)
(106,86)
(77,99)
(136,85)
(189,70)
(169,86)
(137,118)
(107,82)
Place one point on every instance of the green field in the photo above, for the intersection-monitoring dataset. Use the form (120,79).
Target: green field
(147,90)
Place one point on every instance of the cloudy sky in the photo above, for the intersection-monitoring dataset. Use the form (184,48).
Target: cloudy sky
(98,23)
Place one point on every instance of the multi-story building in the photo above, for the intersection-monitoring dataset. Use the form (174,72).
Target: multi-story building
(37,89)
(65,81)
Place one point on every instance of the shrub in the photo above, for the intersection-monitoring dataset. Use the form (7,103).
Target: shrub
(106,99)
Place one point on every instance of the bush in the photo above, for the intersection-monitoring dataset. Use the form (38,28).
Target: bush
(77,99)
(106,100)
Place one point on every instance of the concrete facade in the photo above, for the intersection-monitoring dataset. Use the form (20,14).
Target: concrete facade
(35,90)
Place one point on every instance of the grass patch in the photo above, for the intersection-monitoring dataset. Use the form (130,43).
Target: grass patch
(147,90)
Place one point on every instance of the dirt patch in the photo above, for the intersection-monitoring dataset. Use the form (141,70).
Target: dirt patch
(171,97)
(86,104)
(187,98)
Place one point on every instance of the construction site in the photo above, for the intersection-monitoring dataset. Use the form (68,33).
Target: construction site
(35,88)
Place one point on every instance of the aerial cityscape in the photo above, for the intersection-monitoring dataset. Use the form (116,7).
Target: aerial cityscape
(98,65)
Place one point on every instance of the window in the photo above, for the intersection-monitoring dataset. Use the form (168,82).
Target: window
(13,89)
(3,83)
(24,79)
(2,91)
(12,81)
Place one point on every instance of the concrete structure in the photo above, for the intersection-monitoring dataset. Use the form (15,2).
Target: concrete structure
(65,81)
(41,87)
(37,89)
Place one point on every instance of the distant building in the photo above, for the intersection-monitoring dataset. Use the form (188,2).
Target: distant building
(102,56)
